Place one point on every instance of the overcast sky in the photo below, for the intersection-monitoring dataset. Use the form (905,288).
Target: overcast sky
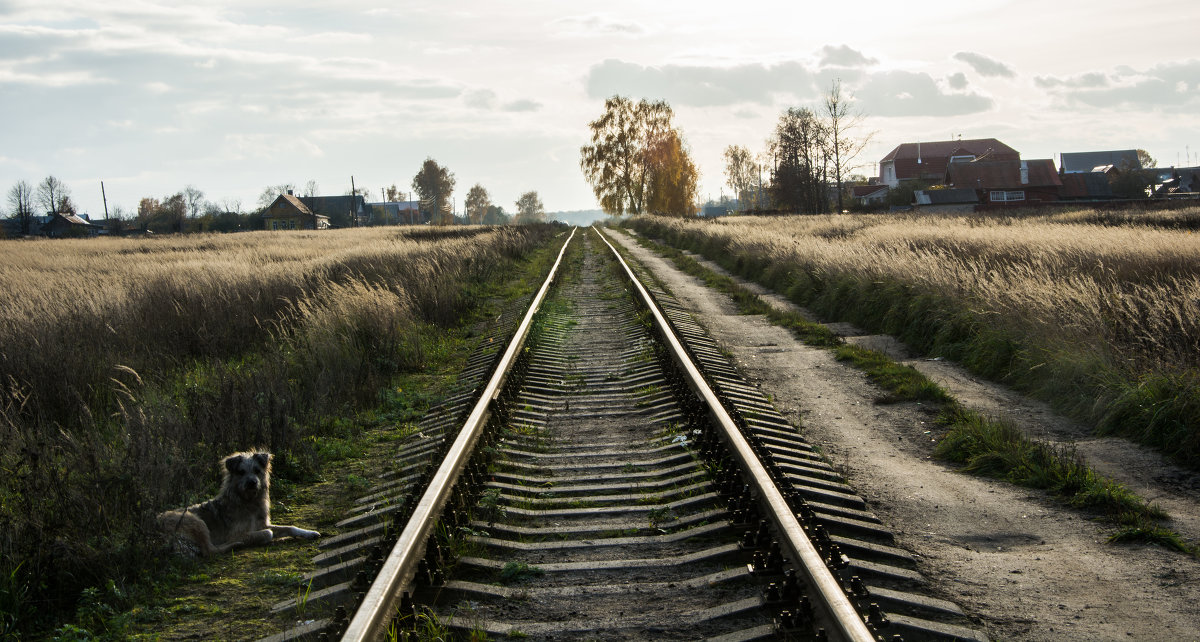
(233,96)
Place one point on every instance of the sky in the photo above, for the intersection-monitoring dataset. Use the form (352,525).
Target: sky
(232,97)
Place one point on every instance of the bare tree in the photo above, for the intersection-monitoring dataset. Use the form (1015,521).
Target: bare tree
(272,192)
(50,194)
(840,120)
(311,188)
(193,198)
(20,199)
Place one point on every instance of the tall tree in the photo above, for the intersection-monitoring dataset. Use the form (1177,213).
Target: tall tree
(193,199)
(496,215)
(671,187)
(801,153)
(1146,159)
(741,173)
(174,212)
(20,199)
(434,184)
(50,194)
(311,188)
(477,203)
(529,209)
(616,163)
(840,121)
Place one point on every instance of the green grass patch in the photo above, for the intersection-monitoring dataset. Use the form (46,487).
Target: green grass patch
(513,572)
(901,382)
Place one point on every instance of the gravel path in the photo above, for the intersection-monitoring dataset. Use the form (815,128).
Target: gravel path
(1027,568)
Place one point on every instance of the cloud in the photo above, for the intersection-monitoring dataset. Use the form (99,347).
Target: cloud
(985,66)
(522,105)
(1169,86)
(844,56)
(957,81)
(906,93)
(480,99)
(486,99)
(1088,80)
(701,86)
(597,24)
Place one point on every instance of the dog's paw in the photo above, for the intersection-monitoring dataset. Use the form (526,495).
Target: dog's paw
(307,534)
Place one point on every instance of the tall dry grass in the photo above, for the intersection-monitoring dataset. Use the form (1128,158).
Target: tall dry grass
(128,365)
(1102,319)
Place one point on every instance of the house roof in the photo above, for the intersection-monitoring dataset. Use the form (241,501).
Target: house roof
(1072,162)
(984,174)
(934,156)
(285,201)
(73,219)
(862,191)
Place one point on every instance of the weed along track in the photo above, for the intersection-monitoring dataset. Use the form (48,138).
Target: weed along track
(617,482)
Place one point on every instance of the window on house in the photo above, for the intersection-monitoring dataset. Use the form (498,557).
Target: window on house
(1006,196)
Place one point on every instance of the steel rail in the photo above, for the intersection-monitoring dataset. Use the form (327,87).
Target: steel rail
(850,626)
(379,603)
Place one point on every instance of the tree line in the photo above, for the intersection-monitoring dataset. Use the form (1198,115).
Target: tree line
(638,162)
(189,211)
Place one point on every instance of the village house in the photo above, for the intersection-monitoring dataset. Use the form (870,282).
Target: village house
(288,213)
(1102,162)
(868,195)
(929,161)
(61,225)
(1007,182)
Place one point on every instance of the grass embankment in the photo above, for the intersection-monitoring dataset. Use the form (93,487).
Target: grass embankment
(1102,322)
(129,366)
(984,446)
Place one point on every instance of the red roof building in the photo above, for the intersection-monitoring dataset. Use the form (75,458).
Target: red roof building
(1007,181)
(929,161)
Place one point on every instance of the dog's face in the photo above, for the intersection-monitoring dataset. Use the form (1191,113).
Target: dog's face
(248,474)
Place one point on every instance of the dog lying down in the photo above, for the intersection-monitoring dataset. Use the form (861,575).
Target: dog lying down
(240,514)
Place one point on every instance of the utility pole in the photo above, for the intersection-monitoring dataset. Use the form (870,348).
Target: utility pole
(353,197)
(105,197)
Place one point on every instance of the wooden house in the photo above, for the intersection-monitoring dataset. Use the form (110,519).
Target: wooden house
(288,213)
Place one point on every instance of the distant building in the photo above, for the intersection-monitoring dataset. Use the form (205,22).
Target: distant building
(1022,182)
(345,210)
(1085,186)
(929,161)
(68,225)
(867,195)
(288,213)
(1104,162)
(946,199)
(398,212)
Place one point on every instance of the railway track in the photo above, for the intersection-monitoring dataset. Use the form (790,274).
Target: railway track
(615,479)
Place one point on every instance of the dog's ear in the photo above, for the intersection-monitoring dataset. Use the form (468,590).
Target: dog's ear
(232,463)
(263,459)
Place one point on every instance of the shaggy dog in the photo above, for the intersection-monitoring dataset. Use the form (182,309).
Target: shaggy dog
(240,515)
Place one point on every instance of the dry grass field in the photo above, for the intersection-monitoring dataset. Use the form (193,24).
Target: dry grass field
(127,366)
(1099,315)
